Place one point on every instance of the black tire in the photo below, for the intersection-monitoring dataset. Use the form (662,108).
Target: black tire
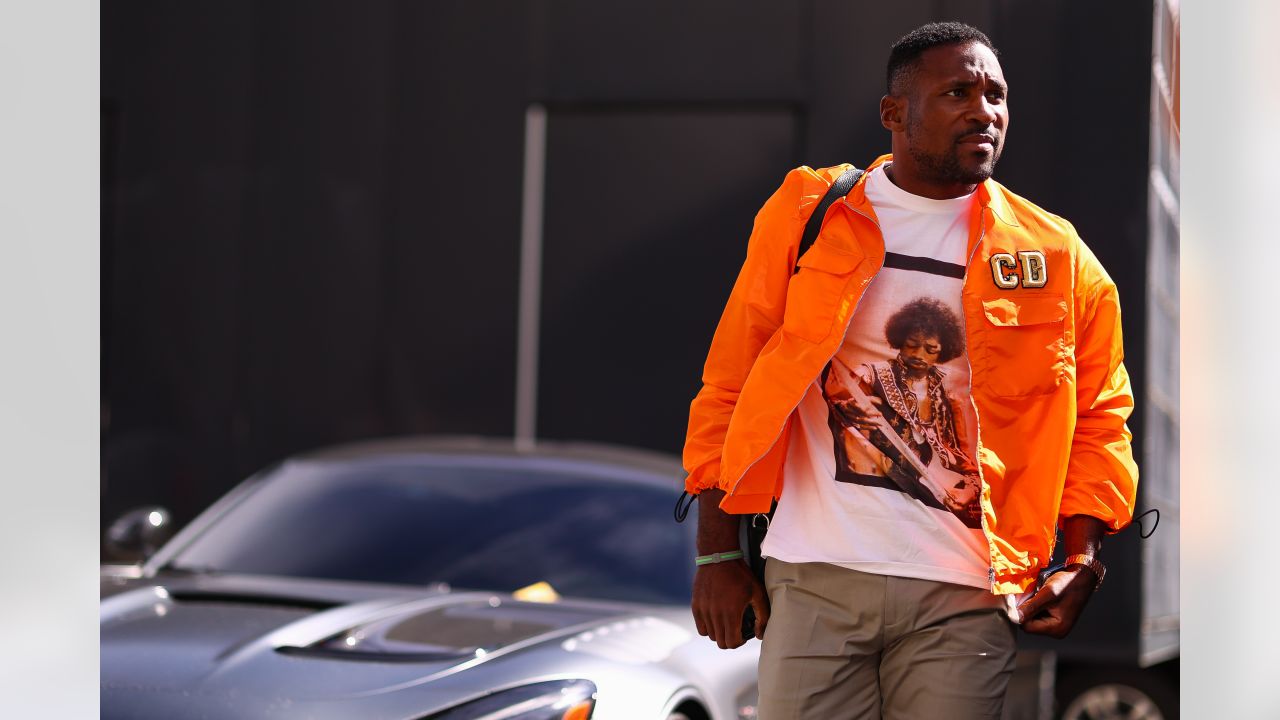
(1095,693)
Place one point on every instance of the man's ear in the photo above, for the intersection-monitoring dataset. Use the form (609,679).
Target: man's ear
(893,112)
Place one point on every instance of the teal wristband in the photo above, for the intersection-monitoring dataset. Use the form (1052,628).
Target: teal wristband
(717,557)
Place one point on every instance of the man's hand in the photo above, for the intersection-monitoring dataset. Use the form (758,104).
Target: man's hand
(1053,610)
(861,412)
(721,593)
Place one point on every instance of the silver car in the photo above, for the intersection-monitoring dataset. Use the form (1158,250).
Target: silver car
(424,578)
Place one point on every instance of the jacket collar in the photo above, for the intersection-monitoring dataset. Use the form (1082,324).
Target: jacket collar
(992,195)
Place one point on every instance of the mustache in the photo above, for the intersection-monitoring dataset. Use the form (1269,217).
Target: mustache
(979,130)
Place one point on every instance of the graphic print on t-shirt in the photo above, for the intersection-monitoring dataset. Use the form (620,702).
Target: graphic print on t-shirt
(880,474)
(895,422)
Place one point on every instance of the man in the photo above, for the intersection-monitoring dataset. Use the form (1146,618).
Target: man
(878,604)
(894,423)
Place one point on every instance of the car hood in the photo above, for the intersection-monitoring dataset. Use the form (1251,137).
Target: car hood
(243,646)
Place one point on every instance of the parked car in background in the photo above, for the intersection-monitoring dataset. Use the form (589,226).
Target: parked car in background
(421,578)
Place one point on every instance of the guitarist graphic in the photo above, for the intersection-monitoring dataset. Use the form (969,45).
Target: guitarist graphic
(896,427)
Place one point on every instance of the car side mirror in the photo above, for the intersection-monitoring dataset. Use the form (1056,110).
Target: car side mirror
(137,534)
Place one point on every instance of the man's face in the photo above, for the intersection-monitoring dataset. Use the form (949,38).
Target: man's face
(956,113)
(919,352)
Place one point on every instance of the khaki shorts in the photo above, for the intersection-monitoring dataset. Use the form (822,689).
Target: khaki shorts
(844,644)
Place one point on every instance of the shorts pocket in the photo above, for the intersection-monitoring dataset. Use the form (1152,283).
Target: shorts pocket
(1025,350)
(815,292)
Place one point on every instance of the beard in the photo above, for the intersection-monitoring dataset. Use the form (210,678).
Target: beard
(946,166)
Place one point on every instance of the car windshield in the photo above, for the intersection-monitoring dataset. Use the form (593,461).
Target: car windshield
(488,524)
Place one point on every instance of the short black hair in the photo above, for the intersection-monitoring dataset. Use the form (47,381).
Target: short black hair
(930,317)
(904,53)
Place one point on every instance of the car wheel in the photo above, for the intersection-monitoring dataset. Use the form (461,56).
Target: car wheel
(1122,694)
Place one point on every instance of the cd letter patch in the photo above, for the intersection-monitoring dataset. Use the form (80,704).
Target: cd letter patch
(1004,270)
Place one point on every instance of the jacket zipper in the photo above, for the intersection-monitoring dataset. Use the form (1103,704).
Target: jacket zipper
(982,482)
(778,433)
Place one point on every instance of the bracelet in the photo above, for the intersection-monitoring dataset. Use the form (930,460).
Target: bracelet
(717,557)
(1090,563)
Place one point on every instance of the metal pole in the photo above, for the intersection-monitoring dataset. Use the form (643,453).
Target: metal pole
(535,162)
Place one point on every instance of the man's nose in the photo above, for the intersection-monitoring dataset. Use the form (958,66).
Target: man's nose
(983,111)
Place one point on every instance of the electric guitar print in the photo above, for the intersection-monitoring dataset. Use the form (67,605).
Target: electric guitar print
(954,491)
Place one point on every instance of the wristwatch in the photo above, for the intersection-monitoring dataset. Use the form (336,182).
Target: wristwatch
(1089,561)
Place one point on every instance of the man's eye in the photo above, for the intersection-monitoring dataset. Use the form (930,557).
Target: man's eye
(995,96)
(956,92)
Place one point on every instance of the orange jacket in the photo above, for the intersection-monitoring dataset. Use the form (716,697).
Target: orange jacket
(1042,322)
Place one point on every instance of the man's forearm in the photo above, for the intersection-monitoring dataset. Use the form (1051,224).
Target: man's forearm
(717,529)
(1082,535)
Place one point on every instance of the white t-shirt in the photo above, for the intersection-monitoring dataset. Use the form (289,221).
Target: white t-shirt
(898,494)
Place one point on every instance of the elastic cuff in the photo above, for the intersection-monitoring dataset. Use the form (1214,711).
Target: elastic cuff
(695,483)
(1113,524)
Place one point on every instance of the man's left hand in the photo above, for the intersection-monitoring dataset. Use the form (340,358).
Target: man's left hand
(1053,610)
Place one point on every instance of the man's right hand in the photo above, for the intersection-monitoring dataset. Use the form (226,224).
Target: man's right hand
(721,593)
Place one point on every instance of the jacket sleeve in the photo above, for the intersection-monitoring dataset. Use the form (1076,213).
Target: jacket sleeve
(1102,477)
(751,316)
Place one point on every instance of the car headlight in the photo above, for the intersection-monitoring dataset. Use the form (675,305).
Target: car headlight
(552,700)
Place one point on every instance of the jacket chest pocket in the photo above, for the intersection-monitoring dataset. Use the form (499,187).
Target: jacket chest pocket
(815,294)
(1024,345)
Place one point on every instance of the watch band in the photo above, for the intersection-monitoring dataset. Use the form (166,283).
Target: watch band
(1089,561)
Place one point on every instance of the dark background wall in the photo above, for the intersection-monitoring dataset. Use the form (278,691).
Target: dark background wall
(311,210)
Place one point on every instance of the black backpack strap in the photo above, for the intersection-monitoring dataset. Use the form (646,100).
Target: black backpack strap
(838,189)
